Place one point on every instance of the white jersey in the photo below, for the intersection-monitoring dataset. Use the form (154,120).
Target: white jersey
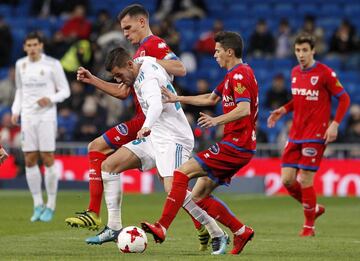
(170,123)
(35,80)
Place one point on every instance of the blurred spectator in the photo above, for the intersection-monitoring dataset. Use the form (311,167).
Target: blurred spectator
(283,40)
(353,137)
(165,29)
(67,121)
(114,106)
(262,42)
(354,117)
(107,42)
(46,8)
(77,26)
(343,41)
(310,27)
(101,25)
(77,98)
(180,9)
(14,3)
(6,43)
(261,136)
(7,88)
(92,120)
(206,42)
(79,54)
(278,94)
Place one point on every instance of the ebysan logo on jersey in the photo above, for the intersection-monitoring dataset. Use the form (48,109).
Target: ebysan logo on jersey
(228,101)
(314,80)
(311,95)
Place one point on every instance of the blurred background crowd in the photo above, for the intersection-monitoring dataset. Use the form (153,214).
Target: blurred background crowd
(81,32)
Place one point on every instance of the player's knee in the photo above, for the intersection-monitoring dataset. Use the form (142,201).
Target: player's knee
(287,181)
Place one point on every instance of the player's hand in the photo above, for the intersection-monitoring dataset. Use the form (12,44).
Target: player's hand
(3,155)
(144,132)
(206,121)
(275,116)
(331,132)
(168,96)
(84,75)
(44,101)
(15,119)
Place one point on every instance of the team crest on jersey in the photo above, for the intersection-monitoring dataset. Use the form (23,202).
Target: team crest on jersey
(239,88)
(314,80)
(122,129)
(214,149)
(293,80)
(142,53)
(309,152)
(238,76)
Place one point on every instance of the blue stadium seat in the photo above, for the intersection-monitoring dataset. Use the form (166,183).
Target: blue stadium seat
(6,10)
(285,10)
(333,62)
(304,9)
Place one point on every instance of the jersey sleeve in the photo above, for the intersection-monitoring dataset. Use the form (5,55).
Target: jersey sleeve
(333,84)
(240,86)
(219,89)
(61,83)
(159,49)
(16,106)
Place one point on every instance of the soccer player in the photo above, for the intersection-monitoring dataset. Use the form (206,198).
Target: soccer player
(164,141)
(40,84)
(134,21)
(215,166)
(312,85)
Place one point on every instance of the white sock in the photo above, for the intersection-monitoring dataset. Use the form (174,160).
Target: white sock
(200,215)
(33,178)
(240,231)
(51,185)
(113,198)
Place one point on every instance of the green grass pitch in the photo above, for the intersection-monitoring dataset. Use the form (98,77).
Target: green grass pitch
(276,221)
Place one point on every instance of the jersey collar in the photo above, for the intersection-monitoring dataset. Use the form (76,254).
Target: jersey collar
(236,66)
(145,39)
(310,68)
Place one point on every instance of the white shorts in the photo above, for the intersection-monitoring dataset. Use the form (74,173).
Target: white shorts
(38,135)
(165,157)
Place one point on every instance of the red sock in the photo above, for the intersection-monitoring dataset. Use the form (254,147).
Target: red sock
(309,203)
(175,198)
(295,191)
(219,211)
(95,181)
(197,224)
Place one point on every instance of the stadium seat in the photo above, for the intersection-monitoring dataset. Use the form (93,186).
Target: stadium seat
(305,9)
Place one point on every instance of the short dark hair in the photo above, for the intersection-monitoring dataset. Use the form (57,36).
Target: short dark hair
(133,10)
(305,38)
(34,35)
(231,40)
(117,57)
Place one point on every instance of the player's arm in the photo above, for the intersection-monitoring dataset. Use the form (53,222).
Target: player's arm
(152,96)
(174,67)
(16,106)
(343,105)
(275,115)
(208,99)
(62,85)
(241,110)
(3,154)
(120,91)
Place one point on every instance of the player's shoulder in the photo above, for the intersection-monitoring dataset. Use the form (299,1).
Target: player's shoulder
(155,41)
(324,67)
(21,61)
(241,71)
(296,69)
(50,59)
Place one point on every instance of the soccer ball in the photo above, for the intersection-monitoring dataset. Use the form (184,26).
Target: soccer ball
(132,240)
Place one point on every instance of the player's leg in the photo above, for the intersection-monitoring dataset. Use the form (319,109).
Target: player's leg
(30,148)
(51,185)
(289,169)
(308,201)
(33,178)
(174,200)
(130,156)
(217,208)
(46,136)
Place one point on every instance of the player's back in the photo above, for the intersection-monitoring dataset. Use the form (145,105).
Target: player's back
(172,124)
